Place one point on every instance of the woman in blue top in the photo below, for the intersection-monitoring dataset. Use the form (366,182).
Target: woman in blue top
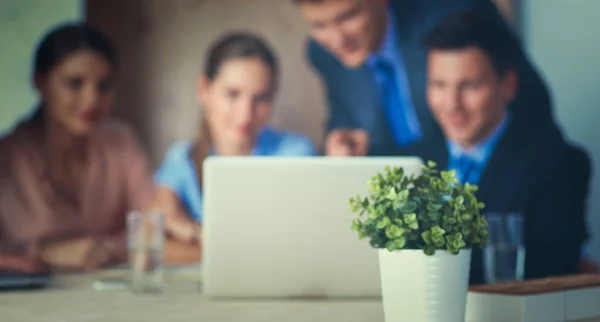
(236,91)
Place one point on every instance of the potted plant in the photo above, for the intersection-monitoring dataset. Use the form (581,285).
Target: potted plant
(424,227)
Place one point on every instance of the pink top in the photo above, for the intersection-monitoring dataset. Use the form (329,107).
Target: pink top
(116,180)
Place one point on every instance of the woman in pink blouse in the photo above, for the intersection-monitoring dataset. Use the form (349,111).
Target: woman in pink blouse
(69,175)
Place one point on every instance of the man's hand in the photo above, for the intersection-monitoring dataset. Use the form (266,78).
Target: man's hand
(347,142)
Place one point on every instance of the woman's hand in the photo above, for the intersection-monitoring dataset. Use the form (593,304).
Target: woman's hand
(98,256)
(76,254)
(183,229)
(178,224)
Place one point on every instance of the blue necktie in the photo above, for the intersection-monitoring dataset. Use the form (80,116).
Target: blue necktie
(393,104)
(466,166)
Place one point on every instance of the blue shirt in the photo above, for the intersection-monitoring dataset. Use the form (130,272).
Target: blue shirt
(390,52)
(178,172)
(480,153)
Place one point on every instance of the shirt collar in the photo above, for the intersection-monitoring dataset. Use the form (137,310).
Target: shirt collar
(481,151)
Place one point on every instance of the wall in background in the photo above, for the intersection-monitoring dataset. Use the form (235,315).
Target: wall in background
(162,45)
(22,23)
(562,39)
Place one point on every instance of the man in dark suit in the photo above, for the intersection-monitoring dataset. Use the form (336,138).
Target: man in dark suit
(373,65)
(472,78)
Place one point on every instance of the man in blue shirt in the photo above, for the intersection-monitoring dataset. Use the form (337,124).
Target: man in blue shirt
(373,65)
(471,81)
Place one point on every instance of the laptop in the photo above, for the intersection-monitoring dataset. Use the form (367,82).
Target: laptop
(281,227)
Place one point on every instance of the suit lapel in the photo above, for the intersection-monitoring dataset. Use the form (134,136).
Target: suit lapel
(365,107)
(414,57)
(496,189)
(431,149)
(364,99)
(504,171)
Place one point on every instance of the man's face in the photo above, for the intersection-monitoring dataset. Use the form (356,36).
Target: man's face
(466,95)
(350,29)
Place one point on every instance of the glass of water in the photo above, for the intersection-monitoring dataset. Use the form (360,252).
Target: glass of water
(146,246)
(504,255)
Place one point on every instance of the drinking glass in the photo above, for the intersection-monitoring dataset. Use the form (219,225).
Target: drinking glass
(146,246)
(504,255)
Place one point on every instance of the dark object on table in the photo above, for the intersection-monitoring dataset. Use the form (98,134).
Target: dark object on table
(12,280)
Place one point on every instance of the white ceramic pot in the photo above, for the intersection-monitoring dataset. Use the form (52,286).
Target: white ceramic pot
(417,287)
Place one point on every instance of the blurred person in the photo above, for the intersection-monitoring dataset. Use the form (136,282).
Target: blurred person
(236,92)
(472,78)
(69,174)
(370,59)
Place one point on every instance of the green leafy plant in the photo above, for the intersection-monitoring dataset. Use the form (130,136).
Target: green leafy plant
(432,211)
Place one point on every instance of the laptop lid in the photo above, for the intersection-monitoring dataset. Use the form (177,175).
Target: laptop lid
(280,227)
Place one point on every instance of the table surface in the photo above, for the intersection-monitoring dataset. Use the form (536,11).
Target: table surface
(74,298)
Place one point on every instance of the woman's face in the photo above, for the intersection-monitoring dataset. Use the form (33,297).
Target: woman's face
(78,92)
(237,102)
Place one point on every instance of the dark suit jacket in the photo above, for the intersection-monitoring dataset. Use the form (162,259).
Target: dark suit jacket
(354,101)
(542,177)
